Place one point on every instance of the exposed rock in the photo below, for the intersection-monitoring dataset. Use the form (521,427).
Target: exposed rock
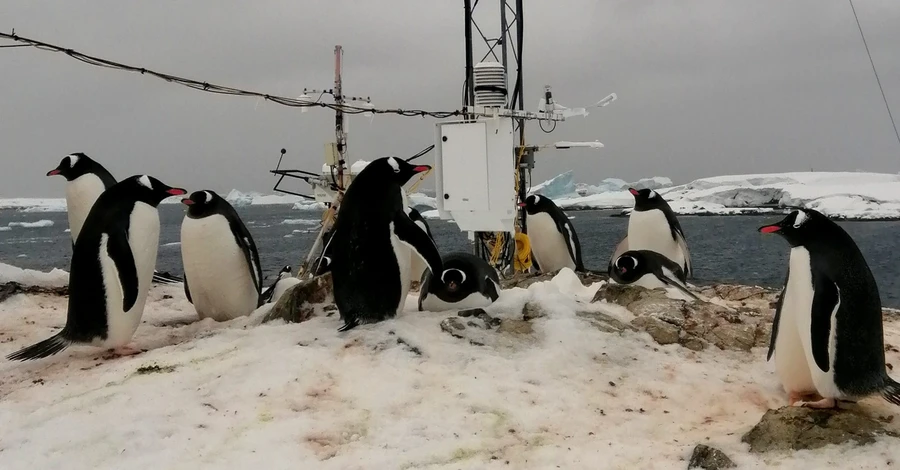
(532,310)
(302,301)
(795,428)
(454,326)
(662,332)
(481,329)
(734,326)
(12,288)
(516,327)
(605,322)
(709,458)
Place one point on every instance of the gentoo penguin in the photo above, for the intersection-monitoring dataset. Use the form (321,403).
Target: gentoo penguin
(417,264)
(648,269)
(285,281)
(85,181)
(621,248)
(653,226)
(222,275)
(372,244)
(111,269)
(554,242)
(467,281)
(827,335)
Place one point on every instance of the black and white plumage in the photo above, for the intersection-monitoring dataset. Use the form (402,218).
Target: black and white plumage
(467,281)
(284,280)
(111,269)
(554,242)
(827,336)
(86,180)
(372,242)
(653,226)
(222,274)
(649,269)
(417,264)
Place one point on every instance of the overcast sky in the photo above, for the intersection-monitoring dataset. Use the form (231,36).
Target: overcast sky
(706,87)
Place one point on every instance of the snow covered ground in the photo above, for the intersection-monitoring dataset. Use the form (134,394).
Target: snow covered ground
(399,394)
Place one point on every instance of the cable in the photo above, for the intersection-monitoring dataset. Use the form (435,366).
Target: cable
(219,89)
(883,96)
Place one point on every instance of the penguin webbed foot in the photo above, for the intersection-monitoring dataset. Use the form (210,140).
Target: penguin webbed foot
(123,351)
(825,403)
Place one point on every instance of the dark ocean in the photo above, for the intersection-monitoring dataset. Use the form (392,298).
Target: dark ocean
(724,249)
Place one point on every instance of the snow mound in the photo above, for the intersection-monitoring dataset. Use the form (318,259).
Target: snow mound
(29,277)
(421,199)
(37,224)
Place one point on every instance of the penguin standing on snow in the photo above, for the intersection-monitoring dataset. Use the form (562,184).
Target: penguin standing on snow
(111,270)
(417,264)
(467,281)
(648,269)
(282,283)
(372,244)
(554,242)
(653,226)
(222,275)
(827,336)
(85,182)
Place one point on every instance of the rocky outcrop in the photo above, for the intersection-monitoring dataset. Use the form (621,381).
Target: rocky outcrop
(302,301)
(796,428)
(12,288)
(739,320)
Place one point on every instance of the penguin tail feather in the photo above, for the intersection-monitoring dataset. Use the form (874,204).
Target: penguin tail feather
(891,391)
(45,348)
(348,326)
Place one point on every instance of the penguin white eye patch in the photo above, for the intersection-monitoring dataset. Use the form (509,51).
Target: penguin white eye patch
(393,162)
(537,199)
(144,181)
(653,194)
(208,196)
(633,260)
(462,274)
(801,219)
(73,159)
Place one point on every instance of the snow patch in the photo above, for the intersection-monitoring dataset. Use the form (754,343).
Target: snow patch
(29,277)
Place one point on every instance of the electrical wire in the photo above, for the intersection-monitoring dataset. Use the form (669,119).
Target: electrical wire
(220,89)
(883,96)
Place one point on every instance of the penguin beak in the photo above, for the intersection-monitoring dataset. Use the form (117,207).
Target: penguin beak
(176,191)
(187,201)
(451,286)
(53,172)
(634,192)
(521,204)
(421,168)
(770,228)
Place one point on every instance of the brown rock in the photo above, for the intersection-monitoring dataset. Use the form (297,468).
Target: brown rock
(12,288)
(299,302)
(532,310)
(734,337)
(516,327)
(662,332)
(795,428)
(604,322)
(709,458)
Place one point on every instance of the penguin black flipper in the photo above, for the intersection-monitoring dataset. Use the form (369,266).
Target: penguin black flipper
(777,316)
(678,236)
(825,304)
(411,234)
(491,289)
(119,251)
(187,292)
(671,274)
(574,246)
(248,248)
(423,288)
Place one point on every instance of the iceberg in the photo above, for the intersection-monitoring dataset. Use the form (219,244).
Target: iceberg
(558,186)
(27,204)
(38,224)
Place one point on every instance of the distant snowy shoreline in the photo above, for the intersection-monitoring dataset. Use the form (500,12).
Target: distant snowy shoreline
(857,196)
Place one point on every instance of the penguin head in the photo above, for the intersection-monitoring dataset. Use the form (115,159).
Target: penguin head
(647,199)
(202,203)
(453,279)
(536,203)
(148,189)
(629,267)
(285,272)
(395,169)
(73,165)
(798,227)
(322,265)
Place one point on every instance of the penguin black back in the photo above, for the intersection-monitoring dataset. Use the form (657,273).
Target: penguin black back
(842,281)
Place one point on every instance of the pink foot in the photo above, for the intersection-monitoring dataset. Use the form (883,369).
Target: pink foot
(794,397)
(125,351)
(824,403)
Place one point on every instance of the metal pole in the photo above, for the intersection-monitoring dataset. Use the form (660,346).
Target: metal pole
(520,99)
(340,136)
(470,70)
(503,28)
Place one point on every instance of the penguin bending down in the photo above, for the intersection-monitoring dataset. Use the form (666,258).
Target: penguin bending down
(282,283)
(827,336)
(417,264)
(554,242)
(467,281)
(372,244)
(653,226)
(220,259)
(85,182)
(649,269)
(111,269)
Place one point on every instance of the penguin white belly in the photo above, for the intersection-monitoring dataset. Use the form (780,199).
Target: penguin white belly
(793,356)
(281,286)
(143,238)
(218,276)
(649,230)
(416,267)
(81,194)
(650,281)
(548,245)
(404,256)
(433,303)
